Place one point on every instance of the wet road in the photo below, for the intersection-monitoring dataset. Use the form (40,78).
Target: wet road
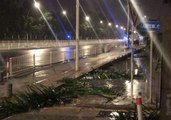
(42,55)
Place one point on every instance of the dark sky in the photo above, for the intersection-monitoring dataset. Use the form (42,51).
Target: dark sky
(111,10)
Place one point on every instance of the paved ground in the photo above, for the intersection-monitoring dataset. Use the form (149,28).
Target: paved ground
(93,108)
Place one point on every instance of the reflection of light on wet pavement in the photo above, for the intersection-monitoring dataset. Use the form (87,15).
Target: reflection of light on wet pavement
(40,74)
(113,115)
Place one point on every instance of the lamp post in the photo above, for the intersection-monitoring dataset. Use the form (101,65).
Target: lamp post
(36,4)
(64,12)
(101,22)
(77,36)
(109,24)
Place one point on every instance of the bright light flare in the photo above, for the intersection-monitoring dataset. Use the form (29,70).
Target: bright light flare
(109,24)
(101,22)
(121,27)
(36,4)
(87,18)
(64,12)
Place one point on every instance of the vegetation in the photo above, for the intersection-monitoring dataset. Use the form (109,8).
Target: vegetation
(41,96)
(111,73)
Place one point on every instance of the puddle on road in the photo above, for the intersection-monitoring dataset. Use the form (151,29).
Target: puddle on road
(41,74)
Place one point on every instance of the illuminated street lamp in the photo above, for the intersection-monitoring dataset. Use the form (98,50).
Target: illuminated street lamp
(121,27)
(109,24)
(101,22)
(64,12)
(87,18)
(117,26)
(36,4)
(145,17)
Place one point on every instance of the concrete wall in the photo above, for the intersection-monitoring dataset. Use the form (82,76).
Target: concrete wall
(166,70)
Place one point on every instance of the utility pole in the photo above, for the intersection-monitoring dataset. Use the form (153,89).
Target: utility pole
(77,37)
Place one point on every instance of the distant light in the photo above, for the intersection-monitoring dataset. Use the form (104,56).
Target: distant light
(125,38)
(135,31)
(68,36)
(136,71)
(116,26)
(109,24)
(87,18)
(36,4)
(122,27)
(101,22)
(145,16)
(64,12)
(141,37)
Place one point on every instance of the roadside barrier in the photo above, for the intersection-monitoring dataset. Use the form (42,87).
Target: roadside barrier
(7,67)
(29,62)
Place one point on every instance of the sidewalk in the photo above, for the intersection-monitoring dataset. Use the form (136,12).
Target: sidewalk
(99,110)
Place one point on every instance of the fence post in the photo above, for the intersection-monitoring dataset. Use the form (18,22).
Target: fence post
(10,67)
(34,64)
(139,106)
(7,67)
(51,58)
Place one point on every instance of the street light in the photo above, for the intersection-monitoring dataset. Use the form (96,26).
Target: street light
(121,27)
(109,24)
(64,12)
(36,4)
(145,17)
(117,26)
(101,22)
(87,18)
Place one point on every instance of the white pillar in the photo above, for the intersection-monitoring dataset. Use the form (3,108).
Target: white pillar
(77,36)
(10,66)
(151,68)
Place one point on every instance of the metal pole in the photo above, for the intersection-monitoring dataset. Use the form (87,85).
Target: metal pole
(151,67)
(128,22)
(77,36)
(132,64)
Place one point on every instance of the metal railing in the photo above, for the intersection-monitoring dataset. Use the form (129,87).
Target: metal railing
(30,62)
(25,44)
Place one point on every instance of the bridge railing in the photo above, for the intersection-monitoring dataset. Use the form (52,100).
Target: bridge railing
(31,62)
(25,44)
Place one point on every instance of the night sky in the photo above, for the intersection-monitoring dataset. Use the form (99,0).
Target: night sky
(12,15)
(112,11)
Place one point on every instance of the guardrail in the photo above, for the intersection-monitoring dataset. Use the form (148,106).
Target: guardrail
(29,62)
(25,44)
